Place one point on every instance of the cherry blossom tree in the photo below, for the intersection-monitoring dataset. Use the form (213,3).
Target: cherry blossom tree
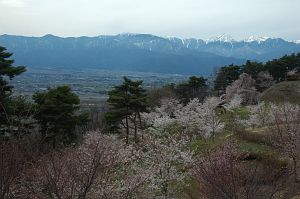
(234,103)
(167,160)
(286,132)
(216,174)
(244,86)
(72,173)
(212,124)
(163,116)
(190,117)
(203,117)
(259,115)
(199,118)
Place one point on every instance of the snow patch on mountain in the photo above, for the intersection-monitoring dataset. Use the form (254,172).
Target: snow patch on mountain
(222,38)
(257,39)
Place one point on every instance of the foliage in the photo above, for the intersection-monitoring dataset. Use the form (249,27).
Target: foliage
(156,94)
(56,114)
(252,68)
(7,71)
(226,76)
(278,68)
(20,121)
(126,102)
(263,73)
(196,87)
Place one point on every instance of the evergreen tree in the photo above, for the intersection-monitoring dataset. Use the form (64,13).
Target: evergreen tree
(278,68)
(226,76)
(56,114)
(126,102)
(7,72)
(139,104)
(196,87)
(252,68)
(21,121)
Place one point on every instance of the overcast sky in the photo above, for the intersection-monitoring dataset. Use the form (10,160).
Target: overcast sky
(181,18)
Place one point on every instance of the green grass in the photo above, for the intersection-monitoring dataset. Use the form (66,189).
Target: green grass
(258,130)
(203,145)
(254,141)
(256,148)
(262,152)
(287,91)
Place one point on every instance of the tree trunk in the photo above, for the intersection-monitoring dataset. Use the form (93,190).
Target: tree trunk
(127,129)
(135,130)
(140,121)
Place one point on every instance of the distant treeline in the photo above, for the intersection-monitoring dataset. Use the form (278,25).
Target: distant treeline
(277,68)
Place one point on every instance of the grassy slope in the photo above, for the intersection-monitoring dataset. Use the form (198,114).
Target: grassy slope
(283,91)
(248,144)
(251,144)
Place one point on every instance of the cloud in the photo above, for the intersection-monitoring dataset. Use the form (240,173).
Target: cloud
(13,3)
(182,18)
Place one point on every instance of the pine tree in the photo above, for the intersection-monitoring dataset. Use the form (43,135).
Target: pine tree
(126,102)
(278,68)
(196,87)
(56,114)
(252,68)
(7,72)
(225,76)
(139,104)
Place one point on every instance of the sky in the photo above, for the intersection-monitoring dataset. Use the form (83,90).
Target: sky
(180,18)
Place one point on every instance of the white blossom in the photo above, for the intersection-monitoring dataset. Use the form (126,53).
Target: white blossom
(234,103)
(196,118)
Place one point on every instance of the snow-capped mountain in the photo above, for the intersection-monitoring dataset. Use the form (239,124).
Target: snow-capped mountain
(252,48)
(225,38)
(257,39)
(145,52)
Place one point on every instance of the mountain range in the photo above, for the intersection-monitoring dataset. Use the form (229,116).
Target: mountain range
(144,52)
